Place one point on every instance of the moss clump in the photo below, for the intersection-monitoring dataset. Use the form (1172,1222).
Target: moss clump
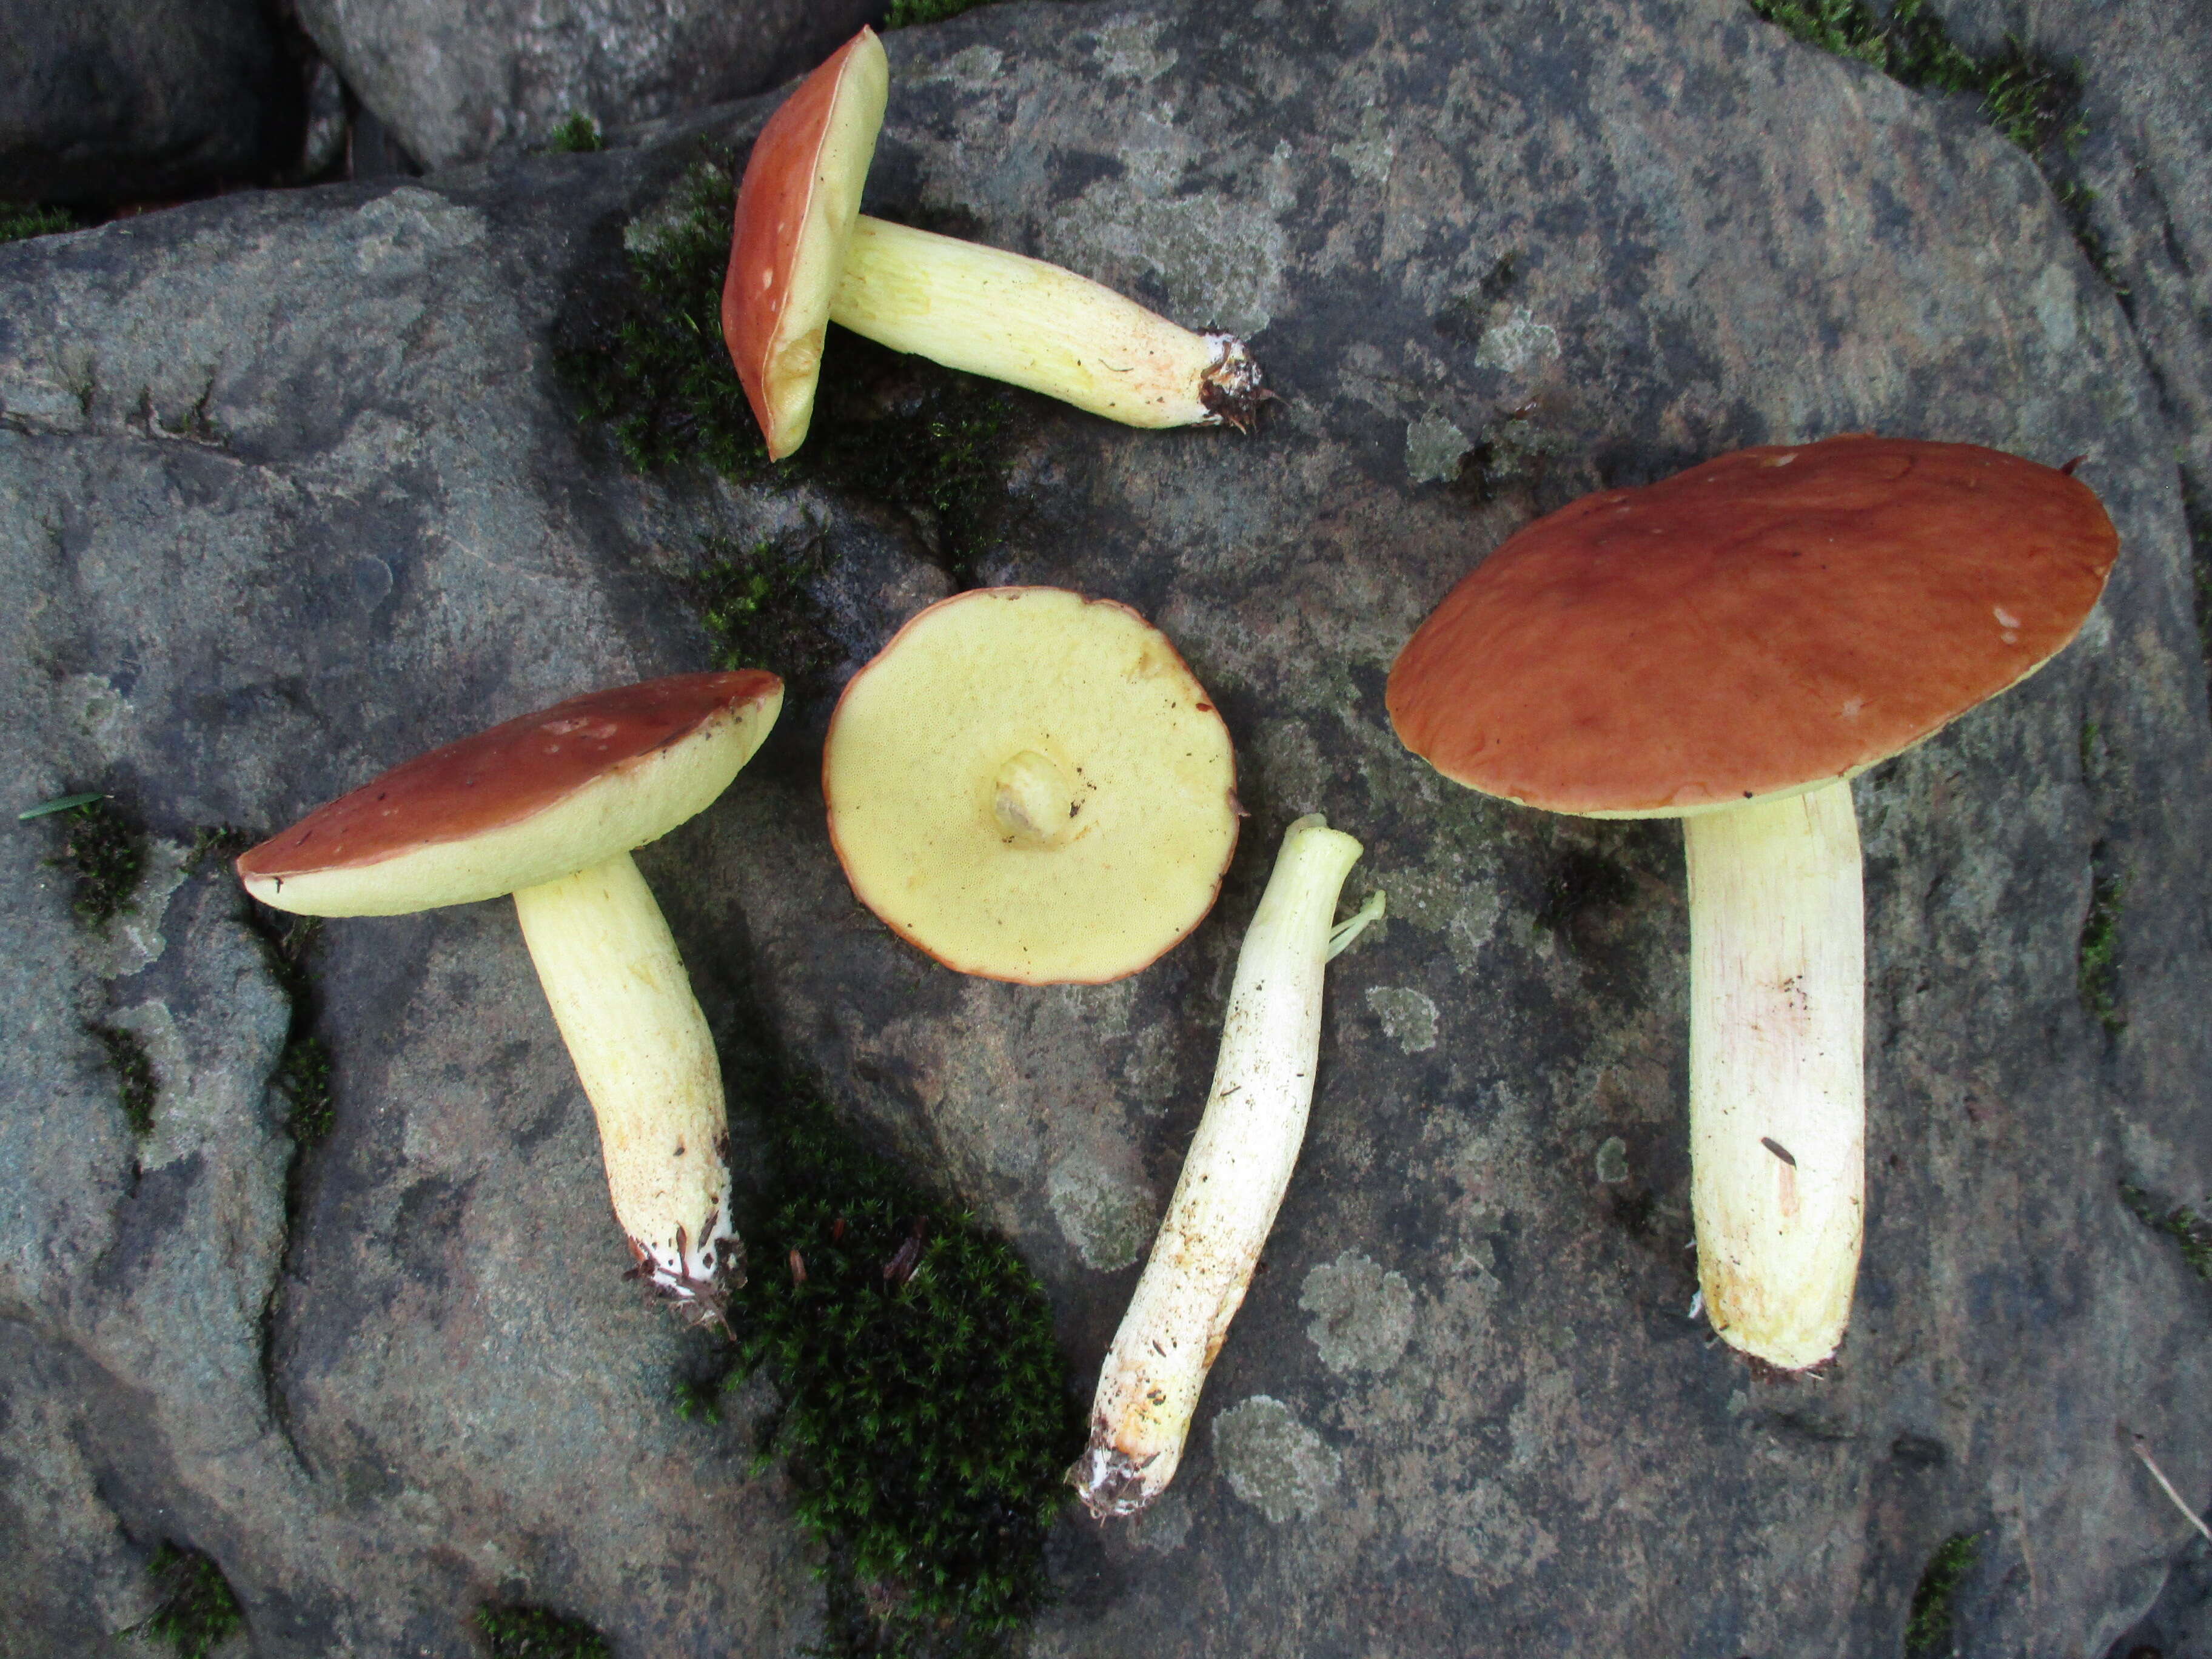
(925,1411)
(759,605)
(19,222)
(2097,966)
(520,1632)
(303,1078)
(904,13)
(2035,103)
(577,135)
(137,1087)
(2198,517)
(199,1610)
(647,360)
(105,852)
(2191,1231)
(1927,1626)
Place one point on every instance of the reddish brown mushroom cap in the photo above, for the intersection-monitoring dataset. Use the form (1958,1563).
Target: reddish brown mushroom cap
(629,764)
(795,213)
(1772,619)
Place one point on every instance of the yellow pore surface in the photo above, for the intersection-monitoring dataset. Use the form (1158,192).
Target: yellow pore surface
(1031,785)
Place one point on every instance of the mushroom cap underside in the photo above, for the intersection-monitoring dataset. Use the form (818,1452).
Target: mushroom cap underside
(1760,624)
(528,801)
(795,211)
(1032,786)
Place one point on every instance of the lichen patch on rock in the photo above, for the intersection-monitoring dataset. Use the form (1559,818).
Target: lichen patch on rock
(1363,1316)
(1408,1016)
(1108,1221)
(1489,1539)
(1273,1461)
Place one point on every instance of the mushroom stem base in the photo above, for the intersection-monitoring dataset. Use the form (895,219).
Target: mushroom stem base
(647,1060)
(1031,325)
(1777,1113)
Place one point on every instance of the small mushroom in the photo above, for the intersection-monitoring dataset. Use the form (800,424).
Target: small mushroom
(1729,647)
(802,256)
(1233,1179)
(548,808)
(1031,785)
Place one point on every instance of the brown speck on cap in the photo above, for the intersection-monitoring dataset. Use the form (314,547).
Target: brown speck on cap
(504,775)
(1666,648)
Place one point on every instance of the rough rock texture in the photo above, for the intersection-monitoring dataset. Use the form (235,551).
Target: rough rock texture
(132,98)
(289,490)
(455,83)
(2147,157)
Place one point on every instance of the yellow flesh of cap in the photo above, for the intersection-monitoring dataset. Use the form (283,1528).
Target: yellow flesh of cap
(1031,786)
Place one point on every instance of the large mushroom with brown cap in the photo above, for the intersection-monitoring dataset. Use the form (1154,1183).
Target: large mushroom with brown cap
(802,256)
(1030,785)
(1730,646)
(548,808)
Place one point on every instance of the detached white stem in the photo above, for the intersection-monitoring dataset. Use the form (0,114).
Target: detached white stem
(1777,1112)
(1233,1181)
(647,1060)
(1031,325)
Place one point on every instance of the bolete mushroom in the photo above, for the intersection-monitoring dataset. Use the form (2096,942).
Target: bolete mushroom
(548,808)
(1729,647)
(802,256)
(1233,1178)
(1031,785)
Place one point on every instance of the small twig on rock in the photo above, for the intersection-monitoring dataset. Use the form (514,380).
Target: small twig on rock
(2142,1450)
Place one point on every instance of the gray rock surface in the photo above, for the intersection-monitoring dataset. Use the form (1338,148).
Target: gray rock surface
(455,83)
(289,490)
(2146,159)
(131,99)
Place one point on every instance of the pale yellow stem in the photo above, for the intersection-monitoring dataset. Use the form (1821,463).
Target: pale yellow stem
(641,1046)
(1777,1114)
(987,311)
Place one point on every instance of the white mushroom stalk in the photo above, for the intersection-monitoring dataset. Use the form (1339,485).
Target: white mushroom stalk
(1233,1179)
(1777,1112)
(1008,317)
(642,1051)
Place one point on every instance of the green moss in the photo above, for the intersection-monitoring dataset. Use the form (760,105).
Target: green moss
(926,1412)
(2190,1230)
(646,360)
(303,1076)
(759,606)
(1927,1626)
(577,135)
(199,1610)
(904,13)
(2198,516)
(2097,966)
(105,852)
(19,222)
(520,1632)
(137,1087)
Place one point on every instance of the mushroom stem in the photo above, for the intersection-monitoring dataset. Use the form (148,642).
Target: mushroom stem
(1233,1181)
(624,1005)
(1777,1113)
(991,312)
